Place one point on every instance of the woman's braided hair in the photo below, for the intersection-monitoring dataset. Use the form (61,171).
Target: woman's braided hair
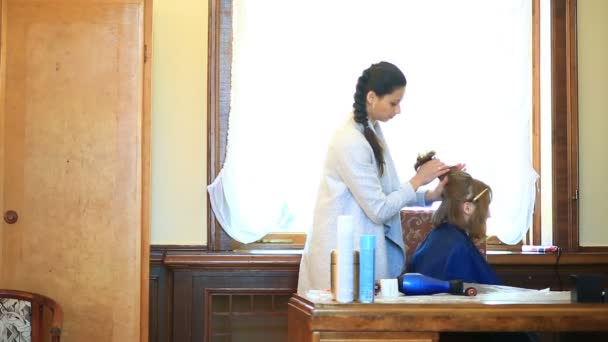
(381,78)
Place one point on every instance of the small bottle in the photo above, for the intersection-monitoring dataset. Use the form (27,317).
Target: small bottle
(334,274)
(412,284)
(366,268)
(345,281)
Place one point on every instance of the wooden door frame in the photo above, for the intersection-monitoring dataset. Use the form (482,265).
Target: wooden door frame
(2,81)
(145,176)
(565,125)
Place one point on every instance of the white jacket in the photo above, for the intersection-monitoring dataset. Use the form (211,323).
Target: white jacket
(351,185)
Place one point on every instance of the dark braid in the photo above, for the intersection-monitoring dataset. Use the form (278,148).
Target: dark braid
(381,78)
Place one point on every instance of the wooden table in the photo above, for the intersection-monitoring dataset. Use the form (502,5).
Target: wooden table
(423,318)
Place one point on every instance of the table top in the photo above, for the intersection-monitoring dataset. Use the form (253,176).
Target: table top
(495,308)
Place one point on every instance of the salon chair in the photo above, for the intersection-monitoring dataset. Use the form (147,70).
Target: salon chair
(416,224)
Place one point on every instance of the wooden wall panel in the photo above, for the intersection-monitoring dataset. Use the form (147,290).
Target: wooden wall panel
(191,283)
(160,299)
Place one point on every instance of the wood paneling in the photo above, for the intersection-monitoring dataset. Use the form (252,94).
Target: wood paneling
(186,279)
(564,122)
(193,285)
(218,108)
(185,284)
(146,128)
(548,270)
(535,233)
(159,299)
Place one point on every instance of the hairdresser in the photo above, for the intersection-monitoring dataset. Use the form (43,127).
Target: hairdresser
(359,179)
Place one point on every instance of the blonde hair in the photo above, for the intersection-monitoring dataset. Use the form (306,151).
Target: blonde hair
(461,188)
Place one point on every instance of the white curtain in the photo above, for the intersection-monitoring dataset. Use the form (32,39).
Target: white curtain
(295,66)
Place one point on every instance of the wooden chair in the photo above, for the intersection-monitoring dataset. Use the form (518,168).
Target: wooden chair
(20,311)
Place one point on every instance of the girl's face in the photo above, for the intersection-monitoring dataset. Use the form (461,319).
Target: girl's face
(384,108)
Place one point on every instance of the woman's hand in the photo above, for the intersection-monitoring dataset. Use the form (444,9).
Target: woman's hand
(435,194)
(428,172)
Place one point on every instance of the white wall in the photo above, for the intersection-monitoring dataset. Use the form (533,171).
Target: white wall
(593,121)
(179,121)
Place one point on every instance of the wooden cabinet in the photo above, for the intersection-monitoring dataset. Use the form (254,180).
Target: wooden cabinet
(234,297)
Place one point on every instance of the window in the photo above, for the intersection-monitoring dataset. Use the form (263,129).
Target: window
(220,87)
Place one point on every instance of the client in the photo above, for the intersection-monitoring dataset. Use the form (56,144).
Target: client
(448,251)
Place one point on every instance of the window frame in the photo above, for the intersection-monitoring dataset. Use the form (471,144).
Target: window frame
(564,123)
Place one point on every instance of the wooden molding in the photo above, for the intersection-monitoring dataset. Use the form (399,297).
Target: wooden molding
(218,108)
(426,317)
(564,125)
(535,235)
(198,257)
(145,160)
(177,248)
(228,260)
(572,88)
(212,112)
(158,252)
(549,259)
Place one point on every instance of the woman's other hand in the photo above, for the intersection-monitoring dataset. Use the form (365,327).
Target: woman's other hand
(461,166)
(428,172)
(435,194)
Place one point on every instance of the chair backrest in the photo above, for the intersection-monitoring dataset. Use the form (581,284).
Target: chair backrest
(21,316)
(416,224)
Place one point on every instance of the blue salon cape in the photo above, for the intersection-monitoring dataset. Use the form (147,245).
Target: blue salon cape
(448,253)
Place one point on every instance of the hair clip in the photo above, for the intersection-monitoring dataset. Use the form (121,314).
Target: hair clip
(479,195)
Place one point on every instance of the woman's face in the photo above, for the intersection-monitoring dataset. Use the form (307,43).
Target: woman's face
(384,108)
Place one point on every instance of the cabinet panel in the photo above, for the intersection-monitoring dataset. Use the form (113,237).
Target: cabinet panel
(231,297)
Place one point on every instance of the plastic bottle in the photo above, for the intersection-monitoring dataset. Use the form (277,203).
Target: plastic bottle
(367,245)
(345,291)
(412,284)
(334,274)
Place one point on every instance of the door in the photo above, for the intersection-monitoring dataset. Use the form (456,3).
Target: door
(73,161)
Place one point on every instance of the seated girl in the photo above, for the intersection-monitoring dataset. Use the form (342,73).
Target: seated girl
(448,251)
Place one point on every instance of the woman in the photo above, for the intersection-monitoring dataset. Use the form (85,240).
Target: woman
(448,251)
(359,179)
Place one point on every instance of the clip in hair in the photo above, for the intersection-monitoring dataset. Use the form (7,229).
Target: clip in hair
(479,195)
